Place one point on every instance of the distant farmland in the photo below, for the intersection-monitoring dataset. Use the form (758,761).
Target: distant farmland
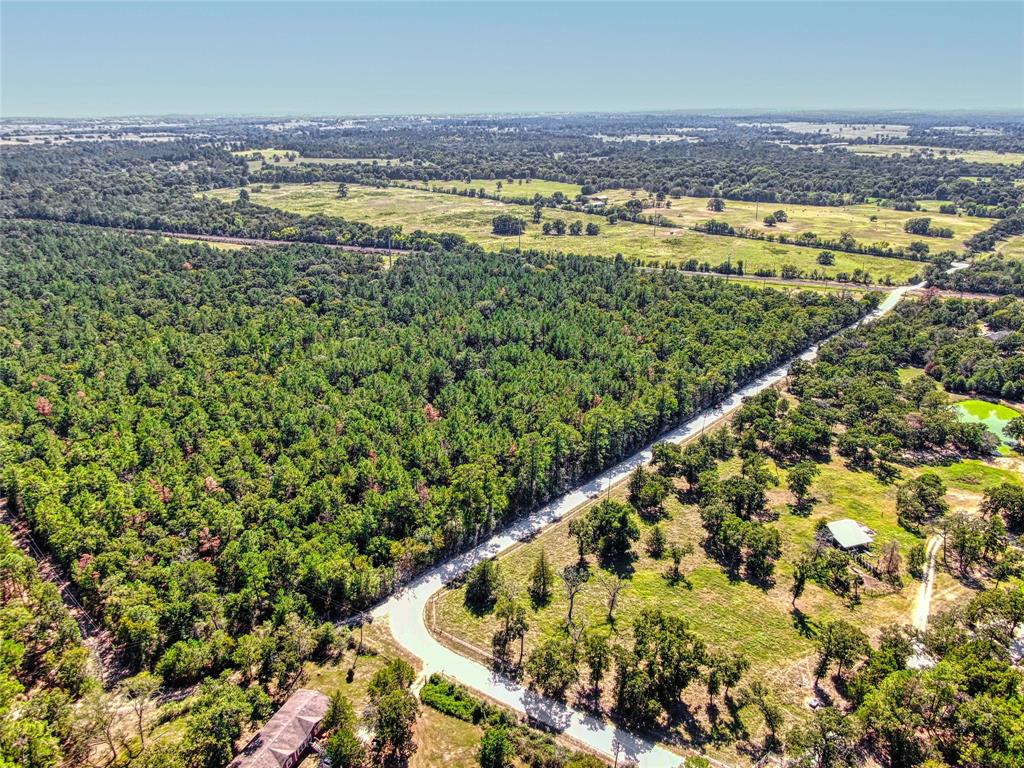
(433,211)
(261,158)
(826,221)
(970,155)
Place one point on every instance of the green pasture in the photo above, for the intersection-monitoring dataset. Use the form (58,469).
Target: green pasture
(825,221)
(513,190)
(970,155)
(436,212)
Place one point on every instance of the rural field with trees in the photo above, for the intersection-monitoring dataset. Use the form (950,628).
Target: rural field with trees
(457,386)
(472,218)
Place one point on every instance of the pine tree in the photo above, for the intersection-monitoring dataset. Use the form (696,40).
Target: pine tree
(541,579)
(656,542)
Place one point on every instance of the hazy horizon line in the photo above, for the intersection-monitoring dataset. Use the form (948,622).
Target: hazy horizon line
(667,111)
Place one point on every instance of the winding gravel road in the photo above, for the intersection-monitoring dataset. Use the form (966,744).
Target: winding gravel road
(404,611)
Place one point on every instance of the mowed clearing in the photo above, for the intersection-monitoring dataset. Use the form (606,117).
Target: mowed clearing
(212,243)
(825,221)
(414,209)
(968,155)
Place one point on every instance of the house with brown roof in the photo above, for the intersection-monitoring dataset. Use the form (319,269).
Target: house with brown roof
(283,741)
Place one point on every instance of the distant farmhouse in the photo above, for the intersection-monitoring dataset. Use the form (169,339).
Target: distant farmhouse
(283,741)
(849,535)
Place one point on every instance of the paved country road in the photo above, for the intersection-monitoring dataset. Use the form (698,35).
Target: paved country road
(404,611)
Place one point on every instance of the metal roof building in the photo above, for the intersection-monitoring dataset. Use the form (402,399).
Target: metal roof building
(849,534)
(283,741)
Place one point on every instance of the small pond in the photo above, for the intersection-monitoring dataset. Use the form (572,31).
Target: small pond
(993,415)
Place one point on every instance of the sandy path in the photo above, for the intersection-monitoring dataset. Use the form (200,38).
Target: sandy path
(923,600)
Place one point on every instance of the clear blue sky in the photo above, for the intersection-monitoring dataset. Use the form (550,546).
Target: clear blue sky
(97,59)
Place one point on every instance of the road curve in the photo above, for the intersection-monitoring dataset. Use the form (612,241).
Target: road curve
(404,610)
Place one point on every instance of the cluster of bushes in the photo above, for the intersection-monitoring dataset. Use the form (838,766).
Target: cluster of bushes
(985,241)
(453,700)
(923,226)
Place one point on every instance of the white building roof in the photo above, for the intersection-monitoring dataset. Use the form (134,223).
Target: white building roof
(849,534)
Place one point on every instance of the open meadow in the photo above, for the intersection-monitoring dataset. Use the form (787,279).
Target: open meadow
(867,222)
(510,190)
(970,155)
(432,211)
(1012,248)
(212,243)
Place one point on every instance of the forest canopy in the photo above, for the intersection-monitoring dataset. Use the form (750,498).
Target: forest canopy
(207,438)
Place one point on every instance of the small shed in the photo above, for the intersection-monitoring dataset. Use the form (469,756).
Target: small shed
(283,741)
(849,535)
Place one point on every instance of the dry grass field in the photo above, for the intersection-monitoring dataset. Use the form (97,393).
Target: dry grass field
(970,155)
(867,222)
(432,211)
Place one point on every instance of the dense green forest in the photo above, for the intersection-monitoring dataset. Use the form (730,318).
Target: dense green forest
(994,274)
(857,373)
(44,666)
(226,450)
(208,438)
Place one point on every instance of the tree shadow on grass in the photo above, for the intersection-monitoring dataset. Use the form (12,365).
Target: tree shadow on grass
(480,608)
(621,565)
(822,695)
(722,729)
(803,508)
(681,714)
(803,624)
(675,578)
